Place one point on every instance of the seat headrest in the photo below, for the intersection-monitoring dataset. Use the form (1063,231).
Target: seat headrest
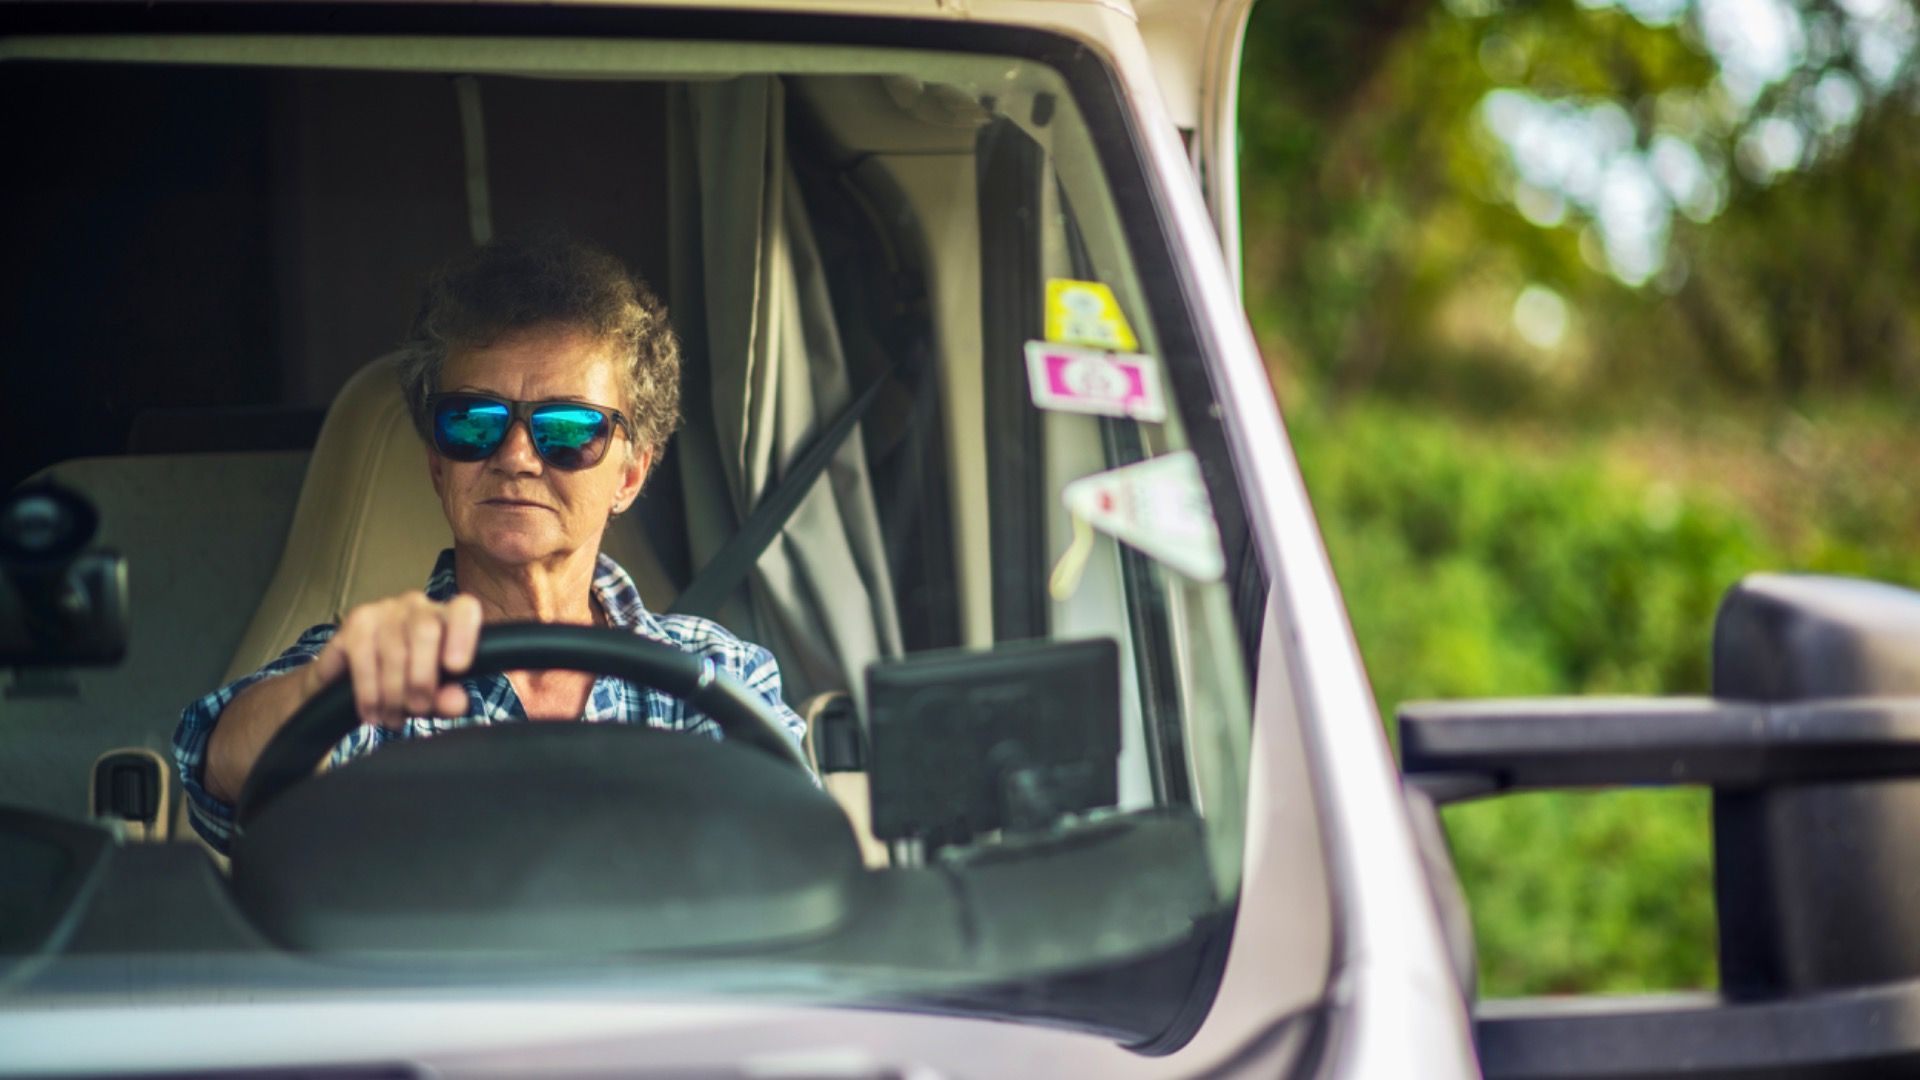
(367,524)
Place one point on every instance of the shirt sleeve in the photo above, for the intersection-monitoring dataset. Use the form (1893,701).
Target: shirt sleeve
(212,817)
(761,672)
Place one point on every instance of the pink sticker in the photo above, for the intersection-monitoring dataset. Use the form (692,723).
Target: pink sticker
(1071,379)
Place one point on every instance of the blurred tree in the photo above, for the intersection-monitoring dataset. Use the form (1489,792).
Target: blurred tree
(1491,204)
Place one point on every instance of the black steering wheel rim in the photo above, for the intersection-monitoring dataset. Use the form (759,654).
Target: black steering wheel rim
(312,731)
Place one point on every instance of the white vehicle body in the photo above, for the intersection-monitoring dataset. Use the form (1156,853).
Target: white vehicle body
(1394,1006)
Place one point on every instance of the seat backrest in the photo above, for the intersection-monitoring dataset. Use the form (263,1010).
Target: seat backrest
(368,524)
(201,534)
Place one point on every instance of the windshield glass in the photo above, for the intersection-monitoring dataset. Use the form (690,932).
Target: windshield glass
(991,600)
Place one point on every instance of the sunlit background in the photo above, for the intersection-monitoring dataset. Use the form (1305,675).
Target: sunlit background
(1578,312)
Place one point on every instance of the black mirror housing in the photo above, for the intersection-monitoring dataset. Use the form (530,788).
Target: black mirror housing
(1815,883)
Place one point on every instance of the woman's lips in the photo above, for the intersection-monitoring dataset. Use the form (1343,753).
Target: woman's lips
(515,504)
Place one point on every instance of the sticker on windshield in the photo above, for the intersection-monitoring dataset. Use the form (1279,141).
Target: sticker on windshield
(1085,313)
(1071,379)
(1158,506)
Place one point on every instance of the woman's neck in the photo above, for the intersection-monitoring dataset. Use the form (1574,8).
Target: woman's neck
(558,590)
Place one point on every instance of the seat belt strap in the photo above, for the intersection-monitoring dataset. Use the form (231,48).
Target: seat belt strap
(729,566)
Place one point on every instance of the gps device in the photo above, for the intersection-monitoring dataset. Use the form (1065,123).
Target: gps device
(964,741)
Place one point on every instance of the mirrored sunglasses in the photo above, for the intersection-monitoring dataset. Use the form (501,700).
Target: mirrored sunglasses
(567,435)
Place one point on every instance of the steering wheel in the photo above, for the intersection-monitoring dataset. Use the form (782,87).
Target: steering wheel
(313,730)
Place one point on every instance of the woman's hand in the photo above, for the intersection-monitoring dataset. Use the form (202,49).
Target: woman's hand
(400,652)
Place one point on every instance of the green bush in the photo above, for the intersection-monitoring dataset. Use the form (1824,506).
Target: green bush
(1487,561)
(1479,563)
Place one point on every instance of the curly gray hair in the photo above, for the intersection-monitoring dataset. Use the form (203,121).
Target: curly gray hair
(476,298)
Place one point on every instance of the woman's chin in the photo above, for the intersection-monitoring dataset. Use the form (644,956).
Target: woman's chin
(513,547)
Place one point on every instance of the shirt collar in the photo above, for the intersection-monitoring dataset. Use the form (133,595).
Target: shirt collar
(612,585)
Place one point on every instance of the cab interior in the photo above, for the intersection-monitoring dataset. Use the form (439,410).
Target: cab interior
(214,251)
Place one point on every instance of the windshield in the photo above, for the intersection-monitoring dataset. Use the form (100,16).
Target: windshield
(1002,606)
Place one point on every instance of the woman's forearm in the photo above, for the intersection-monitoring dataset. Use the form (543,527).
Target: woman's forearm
(248,722)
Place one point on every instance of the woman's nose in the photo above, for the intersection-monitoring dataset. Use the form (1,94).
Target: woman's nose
(516,453)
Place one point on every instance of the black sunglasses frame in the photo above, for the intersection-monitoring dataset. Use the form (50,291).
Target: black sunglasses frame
(520,412)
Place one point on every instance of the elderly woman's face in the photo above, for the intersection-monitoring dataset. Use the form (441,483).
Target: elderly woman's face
(514,506)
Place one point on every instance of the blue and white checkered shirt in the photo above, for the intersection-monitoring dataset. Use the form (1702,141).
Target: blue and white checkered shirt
(491,699)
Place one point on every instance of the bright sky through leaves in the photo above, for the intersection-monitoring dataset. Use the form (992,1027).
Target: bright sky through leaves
(1625,180)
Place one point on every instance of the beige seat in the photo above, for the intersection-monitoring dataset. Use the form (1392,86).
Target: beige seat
(368,524)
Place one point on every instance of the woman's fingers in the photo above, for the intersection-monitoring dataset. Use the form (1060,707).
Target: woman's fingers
(423,635)
(462,614)
(390,644)
(450,700)
(399,653)
(363,667)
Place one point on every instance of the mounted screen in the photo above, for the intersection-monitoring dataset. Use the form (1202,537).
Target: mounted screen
(965,742)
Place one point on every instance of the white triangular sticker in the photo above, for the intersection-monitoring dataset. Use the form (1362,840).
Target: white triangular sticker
(1159,506)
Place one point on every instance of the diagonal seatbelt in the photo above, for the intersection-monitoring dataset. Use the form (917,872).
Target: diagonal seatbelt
(729,566)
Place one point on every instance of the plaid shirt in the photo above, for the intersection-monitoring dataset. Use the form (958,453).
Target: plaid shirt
(491,699)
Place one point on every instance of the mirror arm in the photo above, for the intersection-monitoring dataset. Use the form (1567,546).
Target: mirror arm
(1460,750)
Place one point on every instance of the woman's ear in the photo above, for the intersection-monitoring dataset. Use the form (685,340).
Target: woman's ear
(437,472)
(633,476)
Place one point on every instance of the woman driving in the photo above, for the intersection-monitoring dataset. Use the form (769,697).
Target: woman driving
(544,379)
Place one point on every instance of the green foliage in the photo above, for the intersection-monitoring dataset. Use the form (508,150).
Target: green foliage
(1486,566)
(1499,561)
(1588,893)
(1476,567)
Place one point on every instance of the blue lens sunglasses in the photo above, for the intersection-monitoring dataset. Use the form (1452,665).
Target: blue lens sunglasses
(567,435)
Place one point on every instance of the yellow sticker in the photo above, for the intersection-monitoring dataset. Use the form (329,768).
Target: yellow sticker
(1085,313)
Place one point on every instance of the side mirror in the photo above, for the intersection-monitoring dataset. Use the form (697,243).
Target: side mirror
(59,603)
(1816,883)
(1811,745)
